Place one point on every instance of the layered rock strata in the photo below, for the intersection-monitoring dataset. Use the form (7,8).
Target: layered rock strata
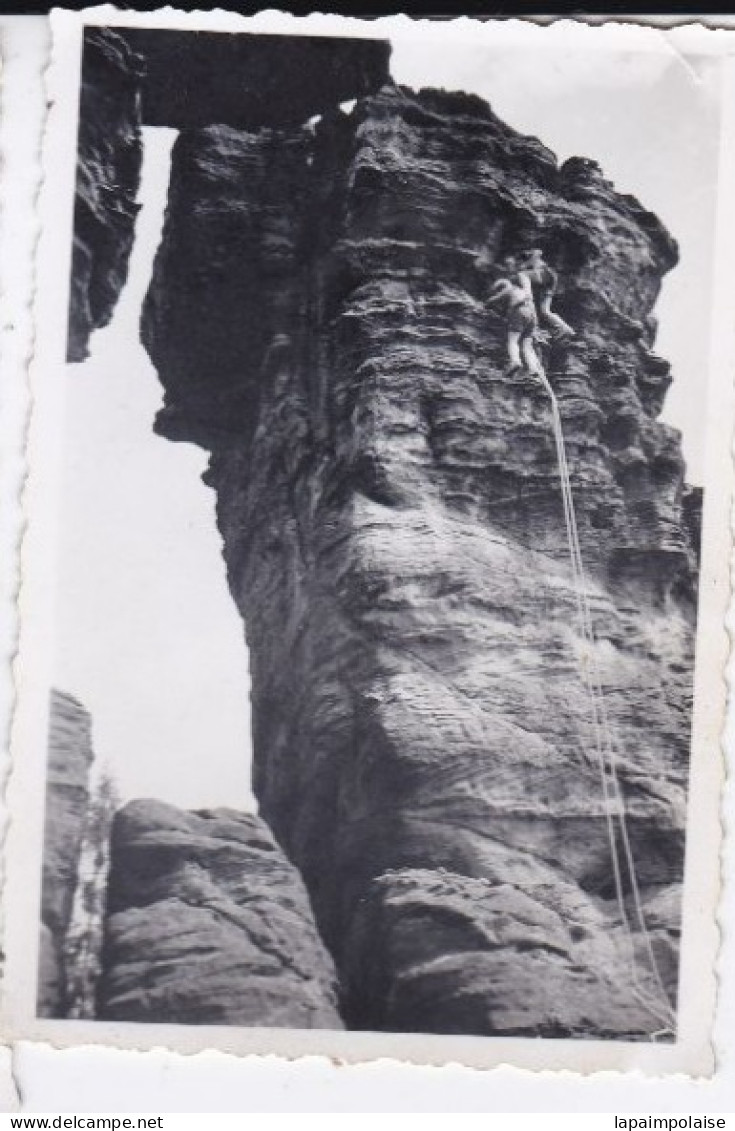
(207,922)
(394,536)
(109,158)
(70,755)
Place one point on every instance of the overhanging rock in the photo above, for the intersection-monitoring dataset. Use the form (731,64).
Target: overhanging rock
(133,77)
(250,81)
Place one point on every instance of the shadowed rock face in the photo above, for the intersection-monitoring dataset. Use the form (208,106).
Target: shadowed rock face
(250,81)
(207,922)
(393,531)
(526,949)
(70,755)
(108,173)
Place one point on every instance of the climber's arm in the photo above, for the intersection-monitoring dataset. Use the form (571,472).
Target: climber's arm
(547,315)
(551,280)
(498,291)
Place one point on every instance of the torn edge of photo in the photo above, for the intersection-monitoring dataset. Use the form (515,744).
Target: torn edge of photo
(371,684)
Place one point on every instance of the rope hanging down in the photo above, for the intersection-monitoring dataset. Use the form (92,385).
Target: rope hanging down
(658,1004)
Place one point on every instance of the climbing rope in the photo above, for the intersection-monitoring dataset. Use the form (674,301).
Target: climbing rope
(607,753)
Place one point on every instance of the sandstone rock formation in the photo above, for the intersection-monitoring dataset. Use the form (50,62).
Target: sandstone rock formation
(108,173)
(209,923)
(393,531)
(70,754)
(528,951)
(136,76)
(247,80)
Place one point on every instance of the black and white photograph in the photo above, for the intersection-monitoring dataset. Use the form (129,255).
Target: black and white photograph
(371,691)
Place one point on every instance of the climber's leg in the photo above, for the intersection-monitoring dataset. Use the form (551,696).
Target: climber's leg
(561,328)
(514,353)
(530,357)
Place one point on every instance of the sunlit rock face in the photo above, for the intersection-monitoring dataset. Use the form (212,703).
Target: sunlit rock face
(394,536)
(208,923)
(70,755)
(109,161)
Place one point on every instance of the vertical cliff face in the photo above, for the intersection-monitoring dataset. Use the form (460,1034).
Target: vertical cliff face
(108,173)
(70,755)
(394,537)
(207,922)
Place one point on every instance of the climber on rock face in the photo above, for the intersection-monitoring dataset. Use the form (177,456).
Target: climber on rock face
(514,290)
(544,281)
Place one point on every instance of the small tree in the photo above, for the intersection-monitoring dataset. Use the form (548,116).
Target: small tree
(83,944)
